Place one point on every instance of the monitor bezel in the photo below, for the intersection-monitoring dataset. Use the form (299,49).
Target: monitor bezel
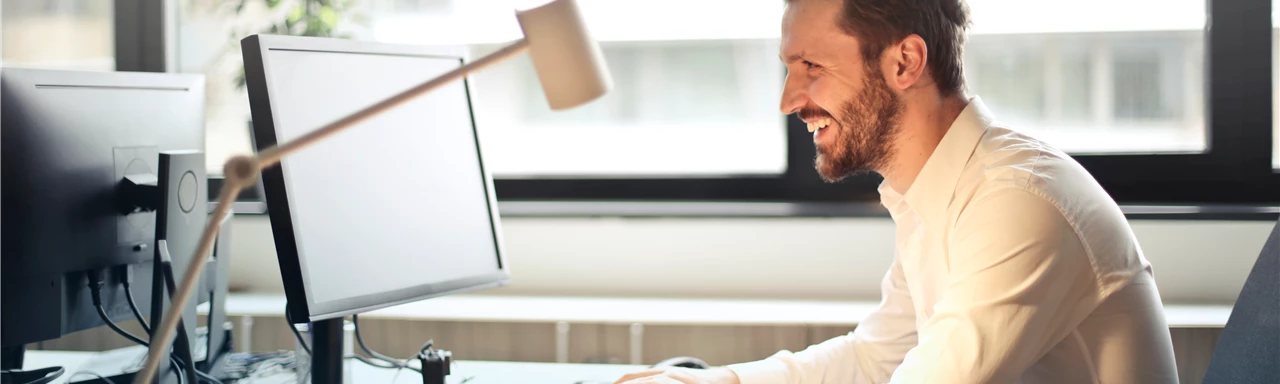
(301,307)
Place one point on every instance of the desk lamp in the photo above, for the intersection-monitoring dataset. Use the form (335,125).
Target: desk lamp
(569,66)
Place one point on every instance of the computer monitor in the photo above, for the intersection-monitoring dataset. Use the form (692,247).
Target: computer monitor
(398,209)
(67,140)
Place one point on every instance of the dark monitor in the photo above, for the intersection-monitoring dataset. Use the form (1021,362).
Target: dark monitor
(67,139)
(397,209)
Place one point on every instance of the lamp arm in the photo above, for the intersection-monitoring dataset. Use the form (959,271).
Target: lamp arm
(242,172)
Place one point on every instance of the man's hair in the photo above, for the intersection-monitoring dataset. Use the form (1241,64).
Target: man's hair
(941,23)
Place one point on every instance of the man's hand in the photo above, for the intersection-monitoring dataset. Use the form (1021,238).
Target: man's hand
(672,375)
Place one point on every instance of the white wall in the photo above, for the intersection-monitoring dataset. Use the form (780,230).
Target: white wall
(803,258)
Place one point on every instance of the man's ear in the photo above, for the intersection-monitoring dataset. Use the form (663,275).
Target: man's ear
(907,61)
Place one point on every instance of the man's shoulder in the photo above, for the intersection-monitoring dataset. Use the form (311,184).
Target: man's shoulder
(1008,159)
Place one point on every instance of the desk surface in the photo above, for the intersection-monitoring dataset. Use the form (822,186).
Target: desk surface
(479,372)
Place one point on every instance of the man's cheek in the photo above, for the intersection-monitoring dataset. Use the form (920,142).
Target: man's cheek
(821,95)
(828,98)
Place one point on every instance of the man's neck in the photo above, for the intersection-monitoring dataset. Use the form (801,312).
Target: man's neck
(924,123)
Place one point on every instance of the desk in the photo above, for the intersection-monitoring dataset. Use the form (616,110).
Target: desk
(484,372)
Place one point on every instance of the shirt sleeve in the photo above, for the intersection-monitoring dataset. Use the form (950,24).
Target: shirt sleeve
(869,354)
(1020,282)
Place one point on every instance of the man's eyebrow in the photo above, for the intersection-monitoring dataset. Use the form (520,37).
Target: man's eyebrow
(790,58)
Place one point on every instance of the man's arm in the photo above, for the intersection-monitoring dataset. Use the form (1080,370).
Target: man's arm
(1021,280)
(867,355)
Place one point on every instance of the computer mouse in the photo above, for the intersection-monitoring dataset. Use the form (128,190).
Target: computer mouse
(683,362)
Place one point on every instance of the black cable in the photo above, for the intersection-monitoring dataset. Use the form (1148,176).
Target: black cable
(425,347)
(199,374)
(133,305)
(103,314)
(95,291)
(382,364)
(208,378)
(371,362)
(395,363)
(296,334)
(183,342)
(178,370)
(100,377)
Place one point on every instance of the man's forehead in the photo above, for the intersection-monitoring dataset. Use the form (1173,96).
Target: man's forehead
(809,25)
(810,12)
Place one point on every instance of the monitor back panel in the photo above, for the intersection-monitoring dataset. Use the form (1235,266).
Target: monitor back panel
(67,139)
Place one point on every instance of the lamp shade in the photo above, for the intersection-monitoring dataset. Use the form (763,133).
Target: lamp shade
(567,59)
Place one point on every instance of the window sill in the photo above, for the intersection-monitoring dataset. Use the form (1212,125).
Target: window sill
(801,210)
(651,311)
(845,210)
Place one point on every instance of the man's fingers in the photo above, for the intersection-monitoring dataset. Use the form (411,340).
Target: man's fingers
(641,374)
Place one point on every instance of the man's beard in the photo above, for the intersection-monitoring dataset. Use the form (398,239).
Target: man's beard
(864,138)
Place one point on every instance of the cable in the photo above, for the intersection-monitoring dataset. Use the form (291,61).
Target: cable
(208,378)
(133,306)
(425,347)
(100,377)
(183,342)
(395,363)
(199,374)
(103,314)
(178,369)
(296,334)
(289,319)
(95,290)
(371,362)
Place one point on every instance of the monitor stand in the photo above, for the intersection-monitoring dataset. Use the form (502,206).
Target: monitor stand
(326,351)
(11,357)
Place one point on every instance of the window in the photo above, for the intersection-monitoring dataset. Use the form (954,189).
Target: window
(1103,83)
(209,33)
(695,98)
(716,94)
(1157,107)
(678,108)
(58,34)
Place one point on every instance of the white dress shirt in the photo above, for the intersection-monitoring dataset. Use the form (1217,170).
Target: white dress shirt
(1012,266)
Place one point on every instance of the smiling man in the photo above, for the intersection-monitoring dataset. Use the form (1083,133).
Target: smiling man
(1012,264)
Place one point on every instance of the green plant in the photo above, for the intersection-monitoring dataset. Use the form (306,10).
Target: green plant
(316,18)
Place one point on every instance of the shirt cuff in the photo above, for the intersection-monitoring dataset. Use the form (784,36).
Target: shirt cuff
(767,371)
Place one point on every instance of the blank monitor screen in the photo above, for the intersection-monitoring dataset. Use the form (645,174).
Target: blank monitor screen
(395,209)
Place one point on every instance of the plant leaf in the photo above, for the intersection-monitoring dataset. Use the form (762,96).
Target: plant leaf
(295,14)
(329,17)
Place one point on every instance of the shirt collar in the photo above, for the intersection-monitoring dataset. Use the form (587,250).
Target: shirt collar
(931,192)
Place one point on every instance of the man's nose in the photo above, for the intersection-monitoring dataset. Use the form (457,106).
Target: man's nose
(794,95)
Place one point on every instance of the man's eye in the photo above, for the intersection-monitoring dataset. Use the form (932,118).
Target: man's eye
(811,65)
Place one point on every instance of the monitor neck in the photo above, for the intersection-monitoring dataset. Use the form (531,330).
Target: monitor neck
(11,357)
(327,346)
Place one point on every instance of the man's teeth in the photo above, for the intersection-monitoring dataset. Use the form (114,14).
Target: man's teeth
(820,124)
